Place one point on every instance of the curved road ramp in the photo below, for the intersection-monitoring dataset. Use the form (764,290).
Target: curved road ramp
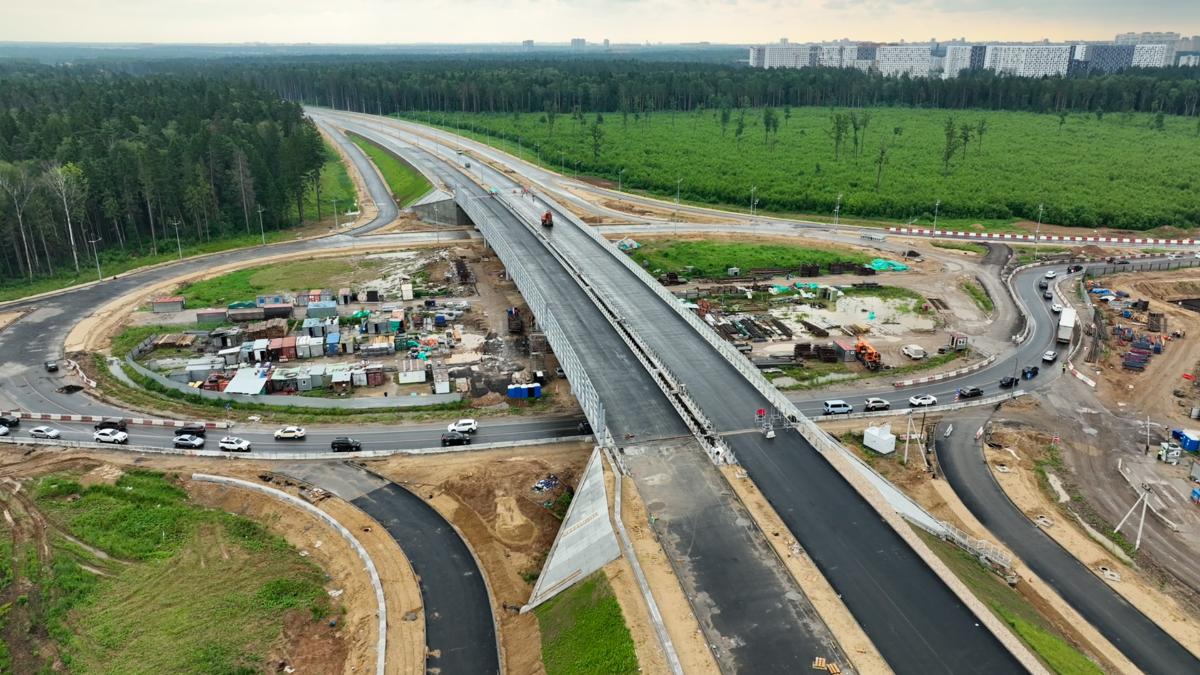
(460,632)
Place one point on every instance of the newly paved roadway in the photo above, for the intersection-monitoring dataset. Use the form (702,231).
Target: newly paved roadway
(766,629)
(1138,638)
(913,618)
(460,632)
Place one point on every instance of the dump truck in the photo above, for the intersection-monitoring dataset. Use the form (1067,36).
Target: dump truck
(1066,325)
(547,219)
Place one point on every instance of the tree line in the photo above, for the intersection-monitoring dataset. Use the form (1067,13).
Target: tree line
(391,85)
(98,165)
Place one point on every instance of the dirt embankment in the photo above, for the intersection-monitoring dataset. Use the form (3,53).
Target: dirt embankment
(489,497)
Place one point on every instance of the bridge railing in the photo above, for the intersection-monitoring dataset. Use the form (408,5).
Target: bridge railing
(581,384)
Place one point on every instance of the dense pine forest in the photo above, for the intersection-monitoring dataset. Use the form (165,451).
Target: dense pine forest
(96,163)
(614,85)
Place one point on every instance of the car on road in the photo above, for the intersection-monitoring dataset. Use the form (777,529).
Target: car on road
(1050,356)
(585,427)
(922,400)
(1030,372)
(188,441)
(876,404)
(1008,382)
(44,432)
(1171,447)
(3,430)
(10,421)
(234,444)
(970,392)
(464,426)
(455,438)
(1048,295)
(111,436)
(50,366)
(110,423)
(838,407)
(193,429)
(345,444)
(1051,274)
(1056,308)
(1122,262)
(914,351)
(289,433)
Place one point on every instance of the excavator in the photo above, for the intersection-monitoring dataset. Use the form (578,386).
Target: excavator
(868,355)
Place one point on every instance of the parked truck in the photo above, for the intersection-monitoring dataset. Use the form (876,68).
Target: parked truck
(1066,325)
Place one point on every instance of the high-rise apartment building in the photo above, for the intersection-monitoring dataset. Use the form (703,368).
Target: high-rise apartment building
(1150,56)
(1029,60)
(578,43)
(1146,38)
(914,60)
(962,57)
(1107,58)
(1187,58)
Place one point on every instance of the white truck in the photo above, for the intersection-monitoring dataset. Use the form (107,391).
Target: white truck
(1066,325)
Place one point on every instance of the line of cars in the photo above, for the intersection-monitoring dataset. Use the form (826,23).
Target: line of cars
(192,436)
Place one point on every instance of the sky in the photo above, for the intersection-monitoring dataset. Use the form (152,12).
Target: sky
(474,21)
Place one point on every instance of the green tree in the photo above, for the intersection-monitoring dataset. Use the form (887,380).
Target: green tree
(880,161)
(964,137)
(839,125)
(980,129)
(597,133)
(952,140)
(70,186)
(770,122)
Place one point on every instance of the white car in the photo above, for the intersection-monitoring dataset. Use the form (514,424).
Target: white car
(914,351)
(234,444)
(44,432)
(295,433)
(464,426)
(922,400)
(188,441)
(1051,274)
(111,436)
(876,404)
(1050,356)
(3,430)
(1056,308)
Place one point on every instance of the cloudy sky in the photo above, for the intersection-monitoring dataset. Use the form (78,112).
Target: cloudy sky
(739,21)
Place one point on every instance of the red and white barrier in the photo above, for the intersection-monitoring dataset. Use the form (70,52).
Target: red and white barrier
(1008,236)
(139,421)
(944,376)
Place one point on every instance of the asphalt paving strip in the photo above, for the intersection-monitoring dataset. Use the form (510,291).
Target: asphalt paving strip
(460,631)
(1137,637)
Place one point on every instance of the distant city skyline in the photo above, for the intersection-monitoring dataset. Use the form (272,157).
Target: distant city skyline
(557,21)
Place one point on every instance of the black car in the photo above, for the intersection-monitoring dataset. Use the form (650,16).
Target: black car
(193,429)
(1030,372)
(346,444)
(970,392)
(110,423)
(10,421)
(1008,382)
(1048,295)
(51,366)
(455,438)
(1122,262)
(585,427)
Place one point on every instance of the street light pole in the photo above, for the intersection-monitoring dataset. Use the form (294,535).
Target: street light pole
(677,184)
(261,231)
(837,210)
(178,246)
(1037,234)
(753,200)
(620,174)
(562,162)
(936,204)
(335,219)
(96,255)
(576,169)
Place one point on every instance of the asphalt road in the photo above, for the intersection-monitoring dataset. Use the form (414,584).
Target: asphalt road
(460,631)
(1138,638)
(917,623)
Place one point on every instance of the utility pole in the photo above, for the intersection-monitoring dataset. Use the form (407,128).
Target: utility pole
(1144,500)
(576,169)
(261,231)
(178,246)
(562,162)
(677,184)
(335,218)
(753,200)
(837,210)
(96,255)
(936,205)
(1037,235)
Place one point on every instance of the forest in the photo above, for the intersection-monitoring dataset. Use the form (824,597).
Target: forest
(1129,170)
(100,167)
(498,85)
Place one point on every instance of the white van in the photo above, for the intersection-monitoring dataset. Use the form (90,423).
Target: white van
(914,351)
(838,408)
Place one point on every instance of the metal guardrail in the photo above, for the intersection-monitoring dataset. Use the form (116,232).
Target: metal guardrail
(1160,266)
(945,407)
(581,384)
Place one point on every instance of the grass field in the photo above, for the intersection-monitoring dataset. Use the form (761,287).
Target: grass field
(1010,607)
(811,375)
(298,275)
(199,590)
(407,184)
(335,184)
(713,259)
(1117,171)
(965,246)
(583,631)
(979,295)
